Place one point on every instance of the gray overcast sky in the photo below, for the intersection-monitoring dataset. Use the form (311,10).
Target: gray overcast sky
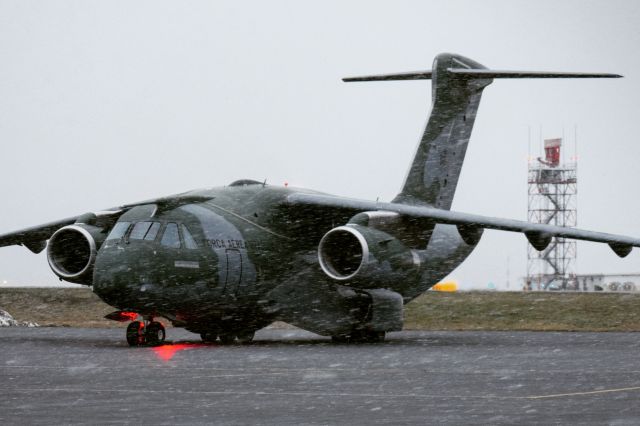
(103,103)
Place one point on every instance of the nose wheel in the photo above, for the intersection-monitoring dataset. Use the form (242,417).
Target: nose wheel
(145,333)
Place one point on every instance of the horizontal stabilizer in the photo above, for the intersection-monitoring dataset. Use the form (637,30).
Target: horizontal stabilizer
(480,73)
(416,75)
(526,74)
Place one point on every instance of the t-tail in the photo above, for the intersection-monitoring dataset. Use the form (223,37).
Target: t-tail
(457,85)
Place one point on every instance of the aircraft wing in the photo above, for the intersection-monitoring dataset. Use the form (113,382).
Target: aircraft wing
(34,238)
(539,235)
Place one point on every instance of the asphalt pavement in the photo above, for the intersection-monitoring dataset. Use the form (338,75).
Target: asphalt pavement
(90,376)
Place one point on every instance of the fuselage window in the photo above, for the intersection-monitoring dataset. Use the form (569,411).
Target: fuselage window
(189,242)
(139,230)
(171,238)
(118,230)
(152,232)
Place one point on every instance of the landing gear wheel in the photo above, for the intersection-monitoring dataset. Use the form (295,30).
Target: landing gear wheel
(227,338)
(245,337)
(209,336)
(135,334)
(155,333)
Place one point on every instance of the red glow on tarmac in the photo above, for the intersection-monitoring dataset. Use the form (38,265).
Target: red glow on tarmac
(166,352)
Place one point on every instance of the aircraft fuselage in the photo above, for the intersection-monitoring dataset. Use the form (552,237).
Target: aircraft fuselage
(221,263)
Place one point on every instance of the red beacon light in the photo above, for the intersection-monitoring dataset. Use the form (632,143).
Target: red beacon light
(552,151)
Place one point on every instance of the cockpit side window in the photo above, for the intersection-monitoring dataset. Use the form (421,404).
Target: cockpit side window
(145,231)
(189,241)
(139,230)
(118,230)
(171,237)
(152,232)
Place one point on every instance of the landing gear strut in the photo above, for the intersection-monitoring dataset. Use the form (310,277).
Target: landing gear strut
(145,333)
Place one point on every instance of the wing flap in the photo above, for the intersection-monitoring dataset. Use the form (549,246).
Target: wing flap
(538,234)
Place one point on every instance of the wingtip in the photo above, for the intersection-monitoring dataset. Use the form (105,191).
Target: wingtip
(413,75)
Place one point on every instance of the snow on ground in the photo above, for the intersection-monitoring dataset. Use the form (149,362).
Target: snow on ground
(6,320)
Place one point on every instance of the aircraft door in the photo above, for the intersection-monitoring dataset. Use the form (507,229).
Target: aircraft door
(233,271)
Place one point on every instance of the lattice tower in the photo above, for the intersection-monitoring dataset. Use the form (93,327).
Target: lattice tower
(553,189)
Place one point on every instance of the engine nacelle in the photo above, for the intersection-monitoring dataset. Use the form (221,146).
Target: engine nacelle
(364,257)
(72,251)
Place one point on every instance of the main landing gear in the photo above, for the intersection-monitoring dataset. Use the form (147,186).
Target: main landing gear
(145,333)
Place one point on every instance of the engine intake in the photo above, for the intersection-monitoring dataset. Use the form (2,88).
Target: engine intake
(72,251)
(365,257)
(343,252)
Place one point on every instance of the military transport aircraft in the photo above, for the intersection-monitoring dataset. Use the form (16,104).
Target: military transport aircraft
(227,261)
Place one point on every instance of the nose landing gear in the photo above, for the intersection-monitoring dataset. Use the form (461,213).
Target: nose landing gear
(145,333)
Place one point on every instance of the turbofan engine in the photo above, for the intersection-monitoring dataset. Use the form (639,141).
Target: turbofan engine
(72,251)
(365,257)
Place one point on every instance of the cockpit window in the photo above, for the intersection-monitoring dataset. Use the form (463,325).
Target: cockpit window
(145,230)
(139,230)
(171,238)
(118,230)
(189,242)
(152,232)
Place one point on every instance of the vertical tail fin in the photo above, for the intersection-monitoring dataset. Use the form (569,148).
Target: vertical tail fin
(457,85)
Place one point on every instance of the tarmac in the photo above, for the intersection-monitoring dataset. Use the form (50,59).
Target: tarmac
(290,377)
